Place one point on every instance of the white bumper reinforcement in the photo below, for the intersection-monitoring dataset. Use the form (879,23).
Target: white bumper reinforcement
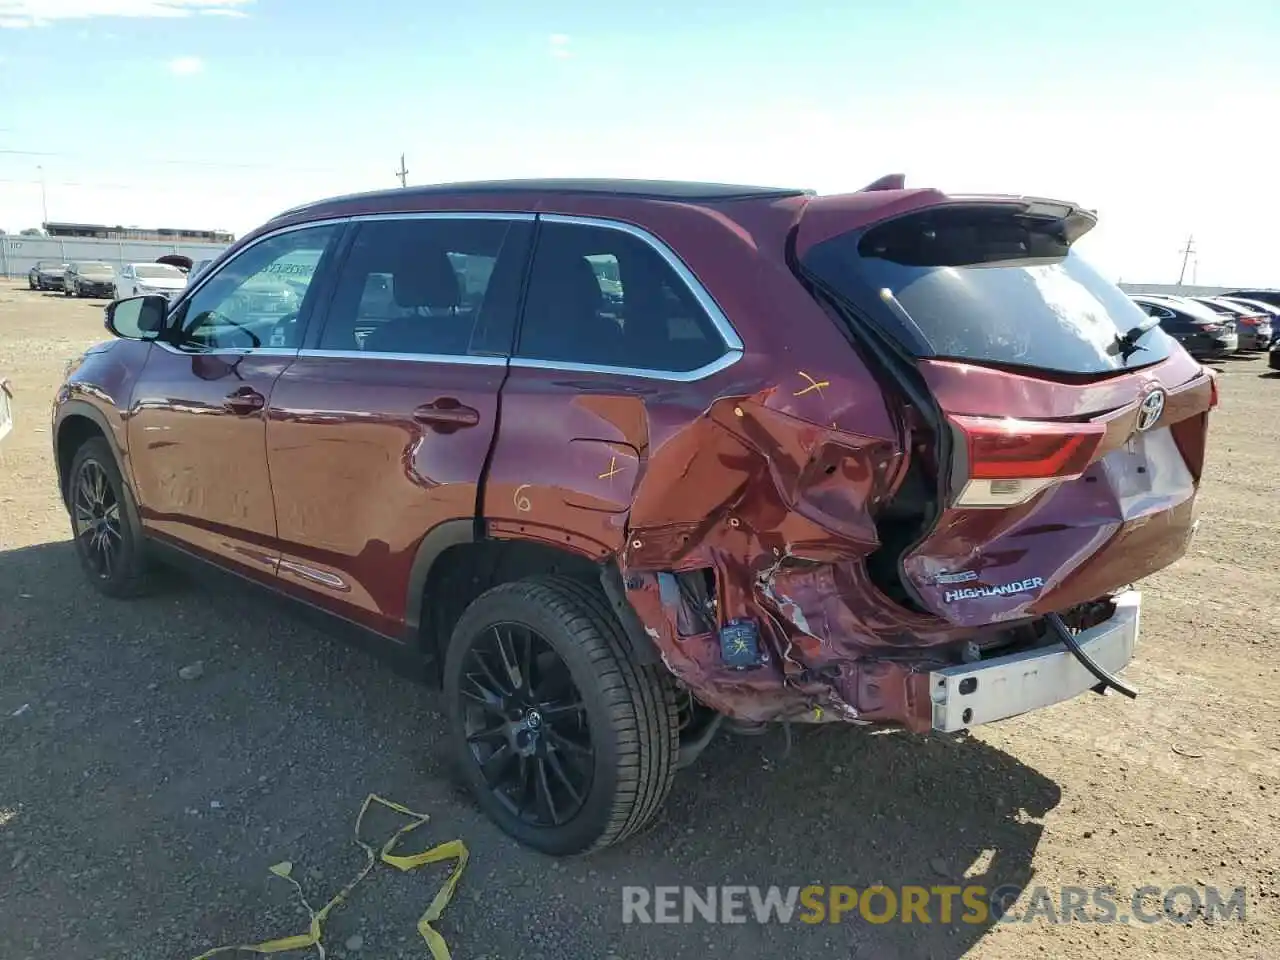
(976,693)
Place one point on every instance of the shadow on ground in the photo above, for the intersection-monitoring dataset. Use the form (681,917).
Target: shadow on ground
(140,811)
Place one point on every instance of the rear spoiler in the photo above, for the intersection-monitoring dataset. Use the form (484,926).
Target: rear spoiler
(888,199)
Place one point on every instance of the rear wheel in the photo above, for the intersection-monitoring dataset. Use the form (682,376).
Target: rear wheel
(567,745)
(104,521)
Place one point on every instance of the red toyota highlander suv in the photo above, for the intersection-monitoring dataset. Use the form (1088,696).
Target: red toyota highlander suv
(628,463)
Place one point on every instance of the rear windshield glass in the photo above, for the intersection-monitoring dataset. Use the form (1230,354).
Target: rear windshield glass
(987,286)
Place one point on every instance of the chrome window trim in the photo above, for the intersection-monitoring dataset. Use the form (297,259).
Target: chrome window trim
(723,362)
(730,340)
(466,360)
(237,351)
(444,215)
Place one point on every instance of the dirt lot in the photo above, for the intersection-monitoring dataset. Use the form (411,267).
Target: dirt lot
(139,811)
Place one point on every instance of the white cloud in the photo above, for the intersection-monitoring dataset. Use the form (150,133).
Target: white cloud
(16,14)
(558,45)
(186,66)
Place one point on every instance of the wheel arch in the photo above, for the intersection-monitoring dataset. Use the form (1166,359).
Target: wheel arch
(457,560)
(78,421)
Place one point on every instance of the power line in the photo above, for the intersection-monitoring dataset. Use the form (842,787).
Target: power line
(216,164)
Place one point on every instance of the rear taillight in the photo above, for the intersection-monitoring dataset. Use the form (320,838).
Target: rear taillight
(1251,321)
(1213,390)
(1212,328)
(1009,461)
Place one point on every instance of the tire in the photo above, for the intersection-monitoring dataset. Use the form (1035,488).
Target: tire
(627,712)
(128,573)
(31,282)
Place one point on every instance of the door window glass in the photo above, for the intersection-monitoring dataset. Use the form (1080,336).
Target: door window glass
(256,299)
(428,286)
(606,297)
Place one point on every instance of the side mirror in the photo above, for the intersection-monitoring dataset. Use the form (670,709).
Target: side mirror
(138,318)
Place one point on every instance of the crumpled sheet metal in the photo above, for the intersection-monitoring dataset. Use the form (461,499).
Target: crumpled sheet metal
(777,507)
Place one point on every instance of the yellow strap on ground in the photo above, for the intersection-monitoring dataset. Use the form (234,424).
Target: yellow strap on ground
(450,850)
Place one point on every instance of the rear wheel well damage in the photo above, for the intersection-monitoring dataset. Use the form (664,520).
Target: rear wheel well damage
(456,566)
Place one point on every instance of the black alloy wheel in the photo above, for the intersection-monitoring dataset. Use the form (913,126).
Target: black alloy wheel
(525,723)
(95,514)
(104,522)
(566,742)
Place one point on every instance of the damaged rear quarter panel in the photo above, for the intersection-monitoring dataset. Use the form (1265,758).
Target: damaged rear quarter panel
(765,473)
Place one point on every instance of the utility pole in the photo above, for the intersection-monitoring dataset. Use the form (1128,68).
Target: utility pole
(44,201)
(1186,252)
(402,173)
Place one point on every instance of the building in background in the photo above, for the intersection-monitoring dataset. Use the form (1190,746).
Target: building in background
(99,231)
(1181,289)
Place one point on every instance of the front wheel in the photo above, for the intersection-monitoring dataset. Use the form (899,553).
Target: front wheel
(567,745)
(104,521)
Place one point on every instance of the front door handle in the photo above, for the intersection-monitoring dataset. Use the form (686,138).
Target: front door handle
(446,415)
(245,400)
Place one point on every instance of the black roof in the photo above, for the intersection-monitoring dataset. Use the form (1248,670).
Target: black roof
(678,191)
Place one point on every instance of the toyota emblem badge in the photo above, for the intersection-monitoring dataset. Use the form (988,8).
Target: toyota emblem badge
(1152,408)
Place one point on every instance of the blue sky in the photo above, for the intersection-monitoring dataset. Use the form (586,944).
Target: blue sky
(220,113)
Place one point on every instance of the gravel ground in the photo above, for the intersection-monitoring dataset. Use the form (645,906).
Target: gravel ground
(139,811)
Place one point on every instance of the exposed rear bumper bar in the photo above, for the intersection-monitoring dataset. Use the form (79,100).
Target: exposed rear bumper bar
(975,693)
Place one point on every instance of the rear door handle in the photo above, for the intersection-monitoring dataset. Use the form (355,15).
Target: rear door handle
(245,400)
(446,415)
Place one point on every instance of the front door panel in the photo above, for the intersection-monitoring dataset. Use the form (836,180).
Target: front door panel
(197,420)
(199,451)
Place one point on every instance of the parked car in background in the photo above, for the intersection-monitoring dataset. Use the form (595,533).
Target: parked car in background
(89,278)
(1266,296)
(1253,326)
(1203,332)
(46,275)
(922,510)
(1262,307)
(141,279)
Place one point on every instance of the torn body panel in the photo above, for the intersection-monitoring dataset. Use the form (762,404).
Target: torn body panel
(780,507)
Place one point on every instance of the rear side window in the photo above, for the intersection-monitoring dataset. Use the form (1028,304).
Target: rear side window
(605,297)
(428,286)
(988,286)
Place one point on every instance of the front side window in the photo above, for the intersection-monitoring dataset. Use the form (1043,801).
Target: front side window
(255,300)
(606,297)
(428,286)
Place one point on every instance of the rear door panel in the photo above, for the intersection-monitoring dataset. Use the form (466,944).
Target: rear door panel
(380,430)
(358,480)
